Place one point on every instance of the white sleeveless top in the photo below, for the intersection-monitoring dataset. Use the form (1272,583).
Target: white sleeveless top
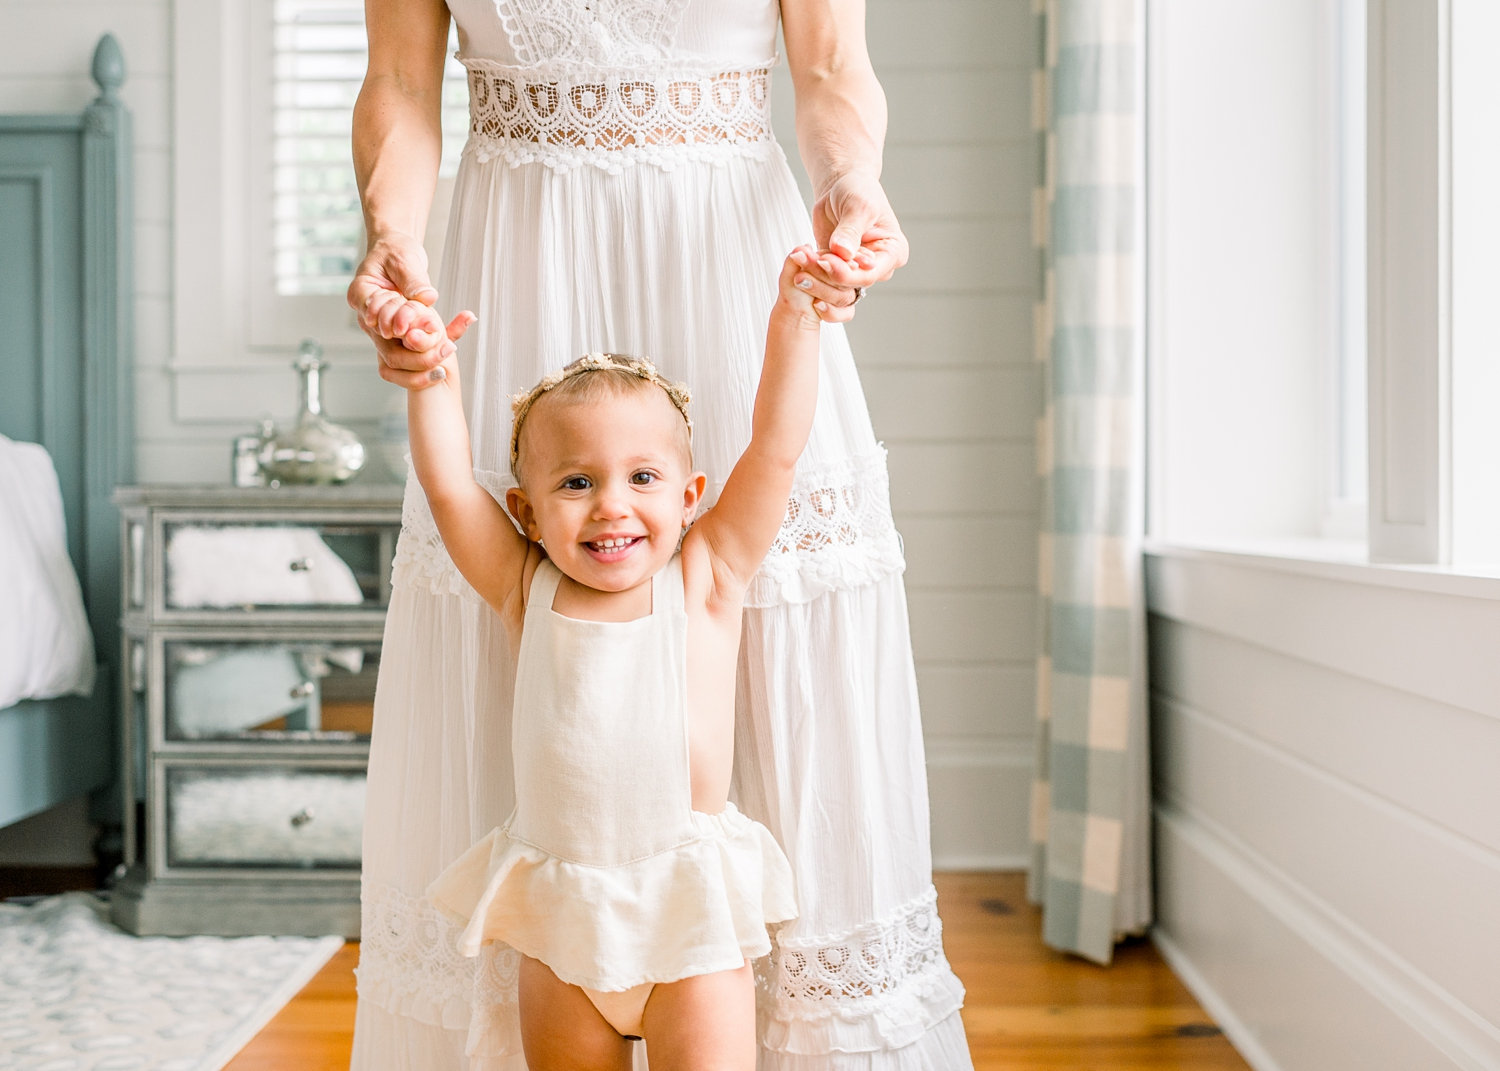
(604,871)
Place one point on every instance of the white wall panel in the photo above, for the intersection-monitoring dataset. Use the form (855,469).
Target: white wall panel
(953,404)
(985,478)
(1430,896)
(55,34)
(153,331)
(951,33)
(973,626)
(153,258)
(978,699)
(980,793)
(1436,760)
(944,106)
(943,329)
(982,179)
(971,552)
(1325,740)
(1387,627)
(1256,957)
(962,255)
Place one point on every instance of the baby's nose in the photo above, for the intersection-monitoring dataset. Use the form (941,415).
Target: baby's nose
(611,500)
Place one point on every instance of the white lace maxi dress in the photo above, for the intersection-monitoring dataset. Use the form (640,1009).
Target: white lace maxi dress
(621,191)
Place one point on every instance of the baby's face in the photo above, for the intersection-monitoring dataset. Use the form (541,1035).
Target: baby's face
(607,486)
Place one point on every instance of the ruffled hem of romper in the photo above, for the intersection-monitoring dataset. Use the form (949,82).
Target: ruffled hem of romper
(613,927)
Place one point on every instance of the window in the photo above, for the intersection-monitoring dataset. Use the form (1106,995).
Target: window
(314,231)
(1322,274)
(267,222)
(1476,284)
(1252,279)
(1348,500)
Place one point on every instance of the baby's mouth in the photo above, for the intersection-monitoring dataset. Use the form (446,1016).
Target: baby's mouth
(614,544)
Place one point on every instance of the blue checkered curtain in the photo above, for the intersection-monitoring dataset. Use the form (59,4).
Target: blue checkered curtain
(1090,867)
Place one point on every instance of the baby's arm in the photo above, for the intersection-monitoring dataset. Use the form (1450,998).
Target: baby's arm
(476,530)
(743,523)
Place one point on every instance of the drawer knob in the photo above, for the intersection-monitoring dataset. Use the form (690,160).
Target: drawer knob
(301,565)
(303,690)
(302,817)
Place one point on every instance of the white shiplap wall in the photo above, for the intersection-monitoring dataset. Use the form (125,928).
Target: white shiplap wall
(944,351)
(1326,741)
(946,358)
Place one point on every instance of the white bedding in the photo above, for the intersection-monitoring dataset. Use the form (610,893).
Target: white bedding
(46,649)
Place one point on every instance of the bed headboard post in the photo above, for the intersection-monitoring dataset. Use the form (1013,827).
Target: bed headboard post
(108,313)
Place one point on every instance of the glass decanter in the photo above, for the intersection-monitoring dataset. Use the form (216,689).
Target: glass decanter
(315,449)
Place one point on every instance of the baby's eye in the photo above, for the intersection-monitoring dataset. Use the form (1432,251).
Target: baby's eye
(643,478)
(576,483)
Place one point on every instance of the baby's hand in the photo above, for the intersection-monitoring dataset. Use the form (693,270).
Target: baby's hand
(449,366)
(794,285)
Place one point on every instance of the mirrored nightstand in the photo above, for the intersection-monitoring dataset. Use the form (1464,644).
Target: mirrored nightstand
(252,628)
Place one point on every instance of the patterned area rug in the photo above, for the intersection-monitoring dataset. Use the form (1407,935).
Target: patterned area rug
(78,994)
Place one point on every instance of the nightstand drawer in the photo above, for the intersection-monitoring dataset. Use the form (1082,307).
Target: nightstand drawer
(217,565)
(271,816)
(292,691)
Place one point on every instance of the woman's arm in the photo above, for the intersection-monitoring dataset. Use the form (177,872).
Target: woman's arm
(397,148)
(841,117)
(740,528)
(476,530)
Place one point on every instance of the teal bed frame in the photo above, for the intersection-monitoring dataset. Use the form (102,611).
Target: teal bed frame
(66,297)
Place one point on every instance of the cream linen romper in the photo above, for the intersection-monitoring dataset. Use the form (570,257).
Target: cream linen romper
(604,872)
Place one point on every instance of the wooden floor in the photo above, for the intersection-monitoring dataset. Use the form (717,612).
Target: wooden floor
(1028,1008)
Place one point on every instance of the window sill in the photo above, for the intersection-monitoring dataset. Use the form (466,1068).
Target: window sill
(1338,561)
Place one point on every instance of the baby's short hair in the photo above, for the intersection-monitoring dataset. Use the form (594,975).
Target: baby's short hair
(592,376)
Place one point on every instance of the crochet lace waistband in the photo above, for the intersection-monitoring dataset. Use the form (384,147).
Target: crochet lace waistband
(524,115)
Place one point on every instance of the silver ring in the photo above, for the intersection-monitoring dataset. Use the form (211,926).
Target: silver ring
(859,292)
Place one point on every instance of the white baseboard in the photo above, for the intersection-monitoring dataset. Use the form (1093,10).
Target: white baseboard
(1457,1036)
(1220,1010)
(980,793)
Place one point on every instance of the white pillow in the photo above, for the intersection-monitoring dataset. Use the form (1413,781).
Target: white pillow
(45,646)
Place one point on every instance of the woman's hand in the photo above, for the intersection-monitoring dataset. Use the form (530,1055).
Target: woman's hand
(393,299)
(853,220)
(860,243)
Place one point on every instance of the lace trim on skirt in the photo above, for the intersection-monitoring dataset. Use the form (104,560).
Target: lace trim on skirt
(610,118)
(880,986)
(838,534)
(409,964)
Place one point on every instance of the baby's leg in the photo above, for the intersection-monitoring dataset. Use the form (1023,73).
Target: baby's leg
(703,1023)
(561,1030)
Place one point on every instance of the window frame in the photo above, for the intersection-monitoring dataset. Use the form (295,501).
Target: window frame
(226,313)
(1433,496)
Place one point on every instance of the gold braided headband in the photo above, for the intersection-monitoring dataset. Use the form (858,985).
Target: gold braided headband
(640,367)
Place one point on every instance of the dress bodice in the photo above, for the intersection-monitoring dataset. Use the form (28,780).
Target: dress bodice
(683,34)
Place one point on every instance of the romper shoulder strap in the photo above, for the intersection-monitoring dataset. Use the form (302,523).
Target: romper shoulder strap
(543,587)
(666,588)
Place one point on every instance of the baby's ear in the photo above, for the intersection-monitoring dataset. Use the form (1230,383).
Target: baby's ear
(692,496)
(520,508)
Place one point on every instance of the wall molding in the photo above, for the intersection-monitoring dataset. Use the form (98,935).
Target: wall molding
(991,770)
(1429,642)
(1450,1027)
